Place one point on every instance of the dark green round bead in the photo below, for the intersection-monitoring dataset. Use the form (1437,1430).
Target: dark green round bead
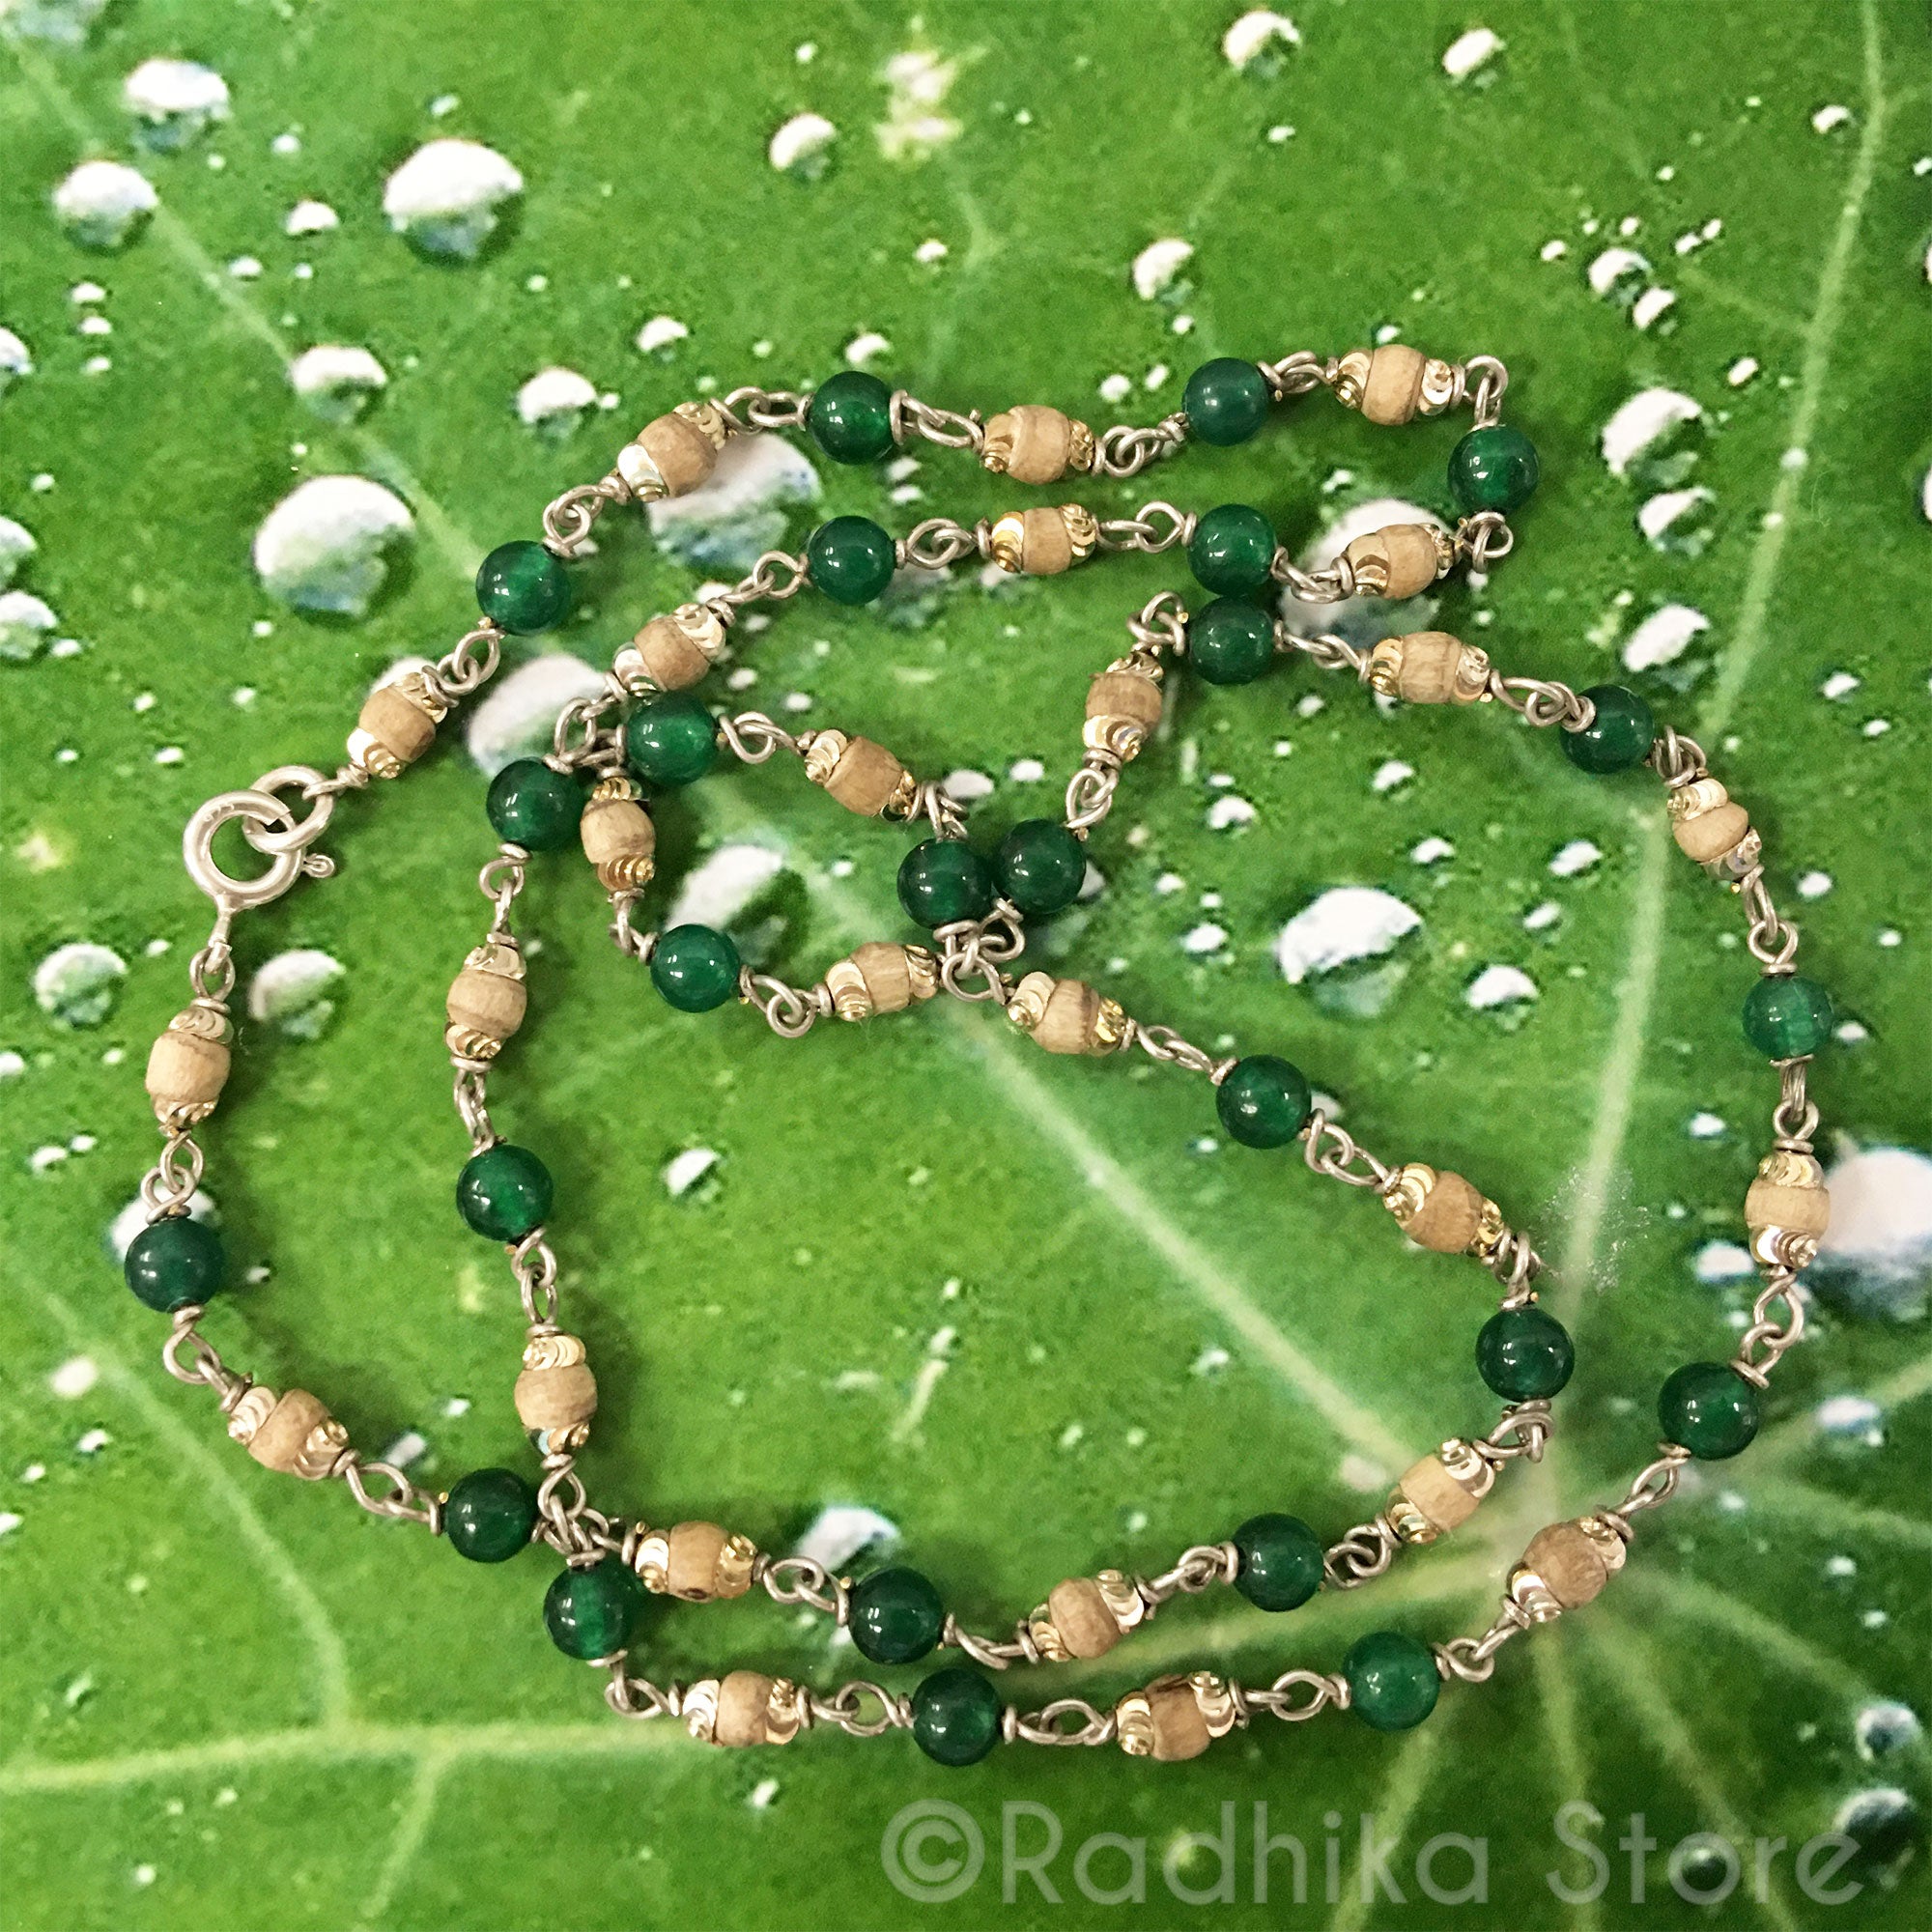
(523,587)
(1787,1016)
(1264,1101)
(851,560)
(672,741)
(1039,866)
(591,1614)
(503,1192)
(895,1616)
(1524,1354)
(851,417)
(534,805)
(1617,738)
(1281,1562)
(490,1514)
(944,881)
(695,968)
(1392,1680)
(174,1263)
(1232,550)
(1230,642)
(1492,469)
(1226,400)
(955,1716)
(1710,1409)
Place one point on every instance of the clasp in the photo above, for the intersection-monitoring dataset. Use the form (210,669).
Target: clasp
(269,826)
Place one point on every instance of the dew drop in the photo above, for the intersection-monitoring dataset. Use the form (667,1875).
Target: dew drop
(1157,267)
(553,400)
(741,511)
(1876,1253)
(1663,636)
(174,102)
(327,546)
(16,359)
(296,993)
(1884,1729)
(725,886)
(310,218)
(839,1531)
(1655,437)
(1500,987)
(1471,52)
(27,622)
(801,147)
(515,720)
(917,84)
(78,984)
(1258,42)
(104,204)
(336,380)
(1341,943)
(661,334)
(446,199)
(1578,856)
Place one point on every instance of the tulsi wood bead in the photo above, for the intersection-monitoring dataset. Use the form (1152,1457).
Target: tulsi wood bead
(487,1001)
(1175,1717)
(1439,1494)
(674,454)
(1442,1211)
(1395,384)
(1044,542)
(1400,560)
(1068,1015)
(187,1065)
(294,1433)
(1787,1209)
(1086,1616)
(556,1393)
(696,1561)
(743,1709)
(1430,667)
(1707,825)
(1123,707)
(1033,443)
(617,833)
(671,652)
(397,725)
(1565,1567)
(863,777)
(881,978)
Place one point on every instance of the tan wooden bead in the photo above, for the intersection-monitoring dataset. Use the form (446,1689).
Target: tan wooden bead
(1393,391)
(671,652)
(1429,667)
(298,1435)
(1449,1217)
(881,978)
(1033,443)
(702,1561)
(1787,1209)
(487,1001)
(1165,1722)
(1442,1502)
(1574,1561)
(1122,707)
(673,455)
(1398,560)
(396,726)
(1805,1211)
(188,1067)
(863,777)
(1067,1015)
(617,835)
(558,1399)
(1706,822)
(1078,1610)
(744,1702)
(1044,542)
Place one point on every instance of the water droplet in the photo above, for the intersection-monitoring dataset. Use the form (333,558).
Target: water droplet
(1829,119)
(918,83)
(1229,812)
(1391,772)
(725,887)
(662,335)
(1578,856)
(296,993)
(1340,942)
(1677,521)
(866,348)
(801,146)
(554,401)
(75,1378)
(336,380)
(445,199)
(684,1171)
(1258,42)
(1429,851)
(78,984)
(1741,371)
(1500,987)
(16,359)
(1720,1263)
(1655,437)
(61,23)
(310,218)
(1157,267)
(1204,939)
(25,624)
(515,720)
(1875,1257)
(1663,636)
(1618,275)
(1888,1826)
(173,101)
(325,547)
(740,512)
(102,204)
(1652,307)
(839,1531)
(1471,52)
(1885,1728)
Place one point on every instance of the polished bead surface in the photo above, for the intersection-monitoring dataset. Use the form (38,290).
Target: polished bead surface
(944,880)
(851,417)
(1264,1101)
(1492,469)
(1226,400)
(1392,1680)
(672,741)
(850,559)
(534,805)
(174,1263)
(1523,1355)
(1617,738)
(490,1514)
(1230,642)
(1787,1016)
(955,1716)
(1710,1409)
(1232,550)
(1040,866)
(695,968)
(1281,1562)
(523,587)
(591,1614)
(895,1615)
(503,1192)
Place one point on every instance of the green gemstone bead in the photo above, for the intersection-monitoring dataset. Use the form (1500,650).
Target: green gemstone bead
(1524,1354)
(1040,866)
(1492,469)
(944,881)
(955,1716)
(1232,550)
(851,560)
(1392,1680)
(490,1514)
(1264,1101)
(895,1616)
(1230,642)
(695,968)
(851,417)
(1281,1562)
(1787,1016)
(672,741)
(1710,1409)
(591,1614)
(174,1263)
(1226,400)
(523,587)
(534,805)
(504,1192)
(1617,738)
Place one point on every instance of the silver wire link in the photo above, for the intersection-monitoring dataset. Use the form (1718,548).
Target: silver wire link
(1333,583)
(940,542)
(1163,1043)
(1678,760)
(797,1579)
(752,408)
(1654,1483)
(1153,528)
(471,1095)
(1159,625)
(1472,1659)
(776,576)
(1794,1118)
(1484,539)
(909,415)
(1047,1725)
(1492,380)
(1197,1568)
(753,737)
(973,950)
(629,941)
(638,1697)
(1295,375)
(470,662)
(567,519)
(1330,651)
(847,1708)
(402,1502)
(1090,791)
(1364,1553)
(170,1183)
(580,739)
(791,1012)
(1127,448)
(533,1263)
(1541,701)
(1338,1160)
(499,881)
(1773,941)
(1773,1336)
(1296,1695)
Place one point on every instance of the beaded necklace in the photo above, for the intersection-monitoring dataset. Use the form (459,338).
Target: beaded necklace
(646,729)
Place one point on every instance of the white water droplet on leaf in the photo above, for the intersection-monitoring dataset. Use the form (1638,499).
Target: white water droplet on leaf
(1663,636)
(1675,519)
(27,622)
(1341,943)
(1578,856)
(102,204)
(336,380)
(1500,987)
(514,719)
(1257,42)
(1718,1262)
(447,197)
(1469,53)
(721,889)
(554,401)
(740,512)
(16,359)
(661,334)
(60,23)
(1157,265)
(1652,306)
(1653,425)
(1877,1252)
(839,1531)
(310,218)
(325,545)
(174,100)
(296,992)
(801,146)
(78,985)
(684,1171)
(917,84)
